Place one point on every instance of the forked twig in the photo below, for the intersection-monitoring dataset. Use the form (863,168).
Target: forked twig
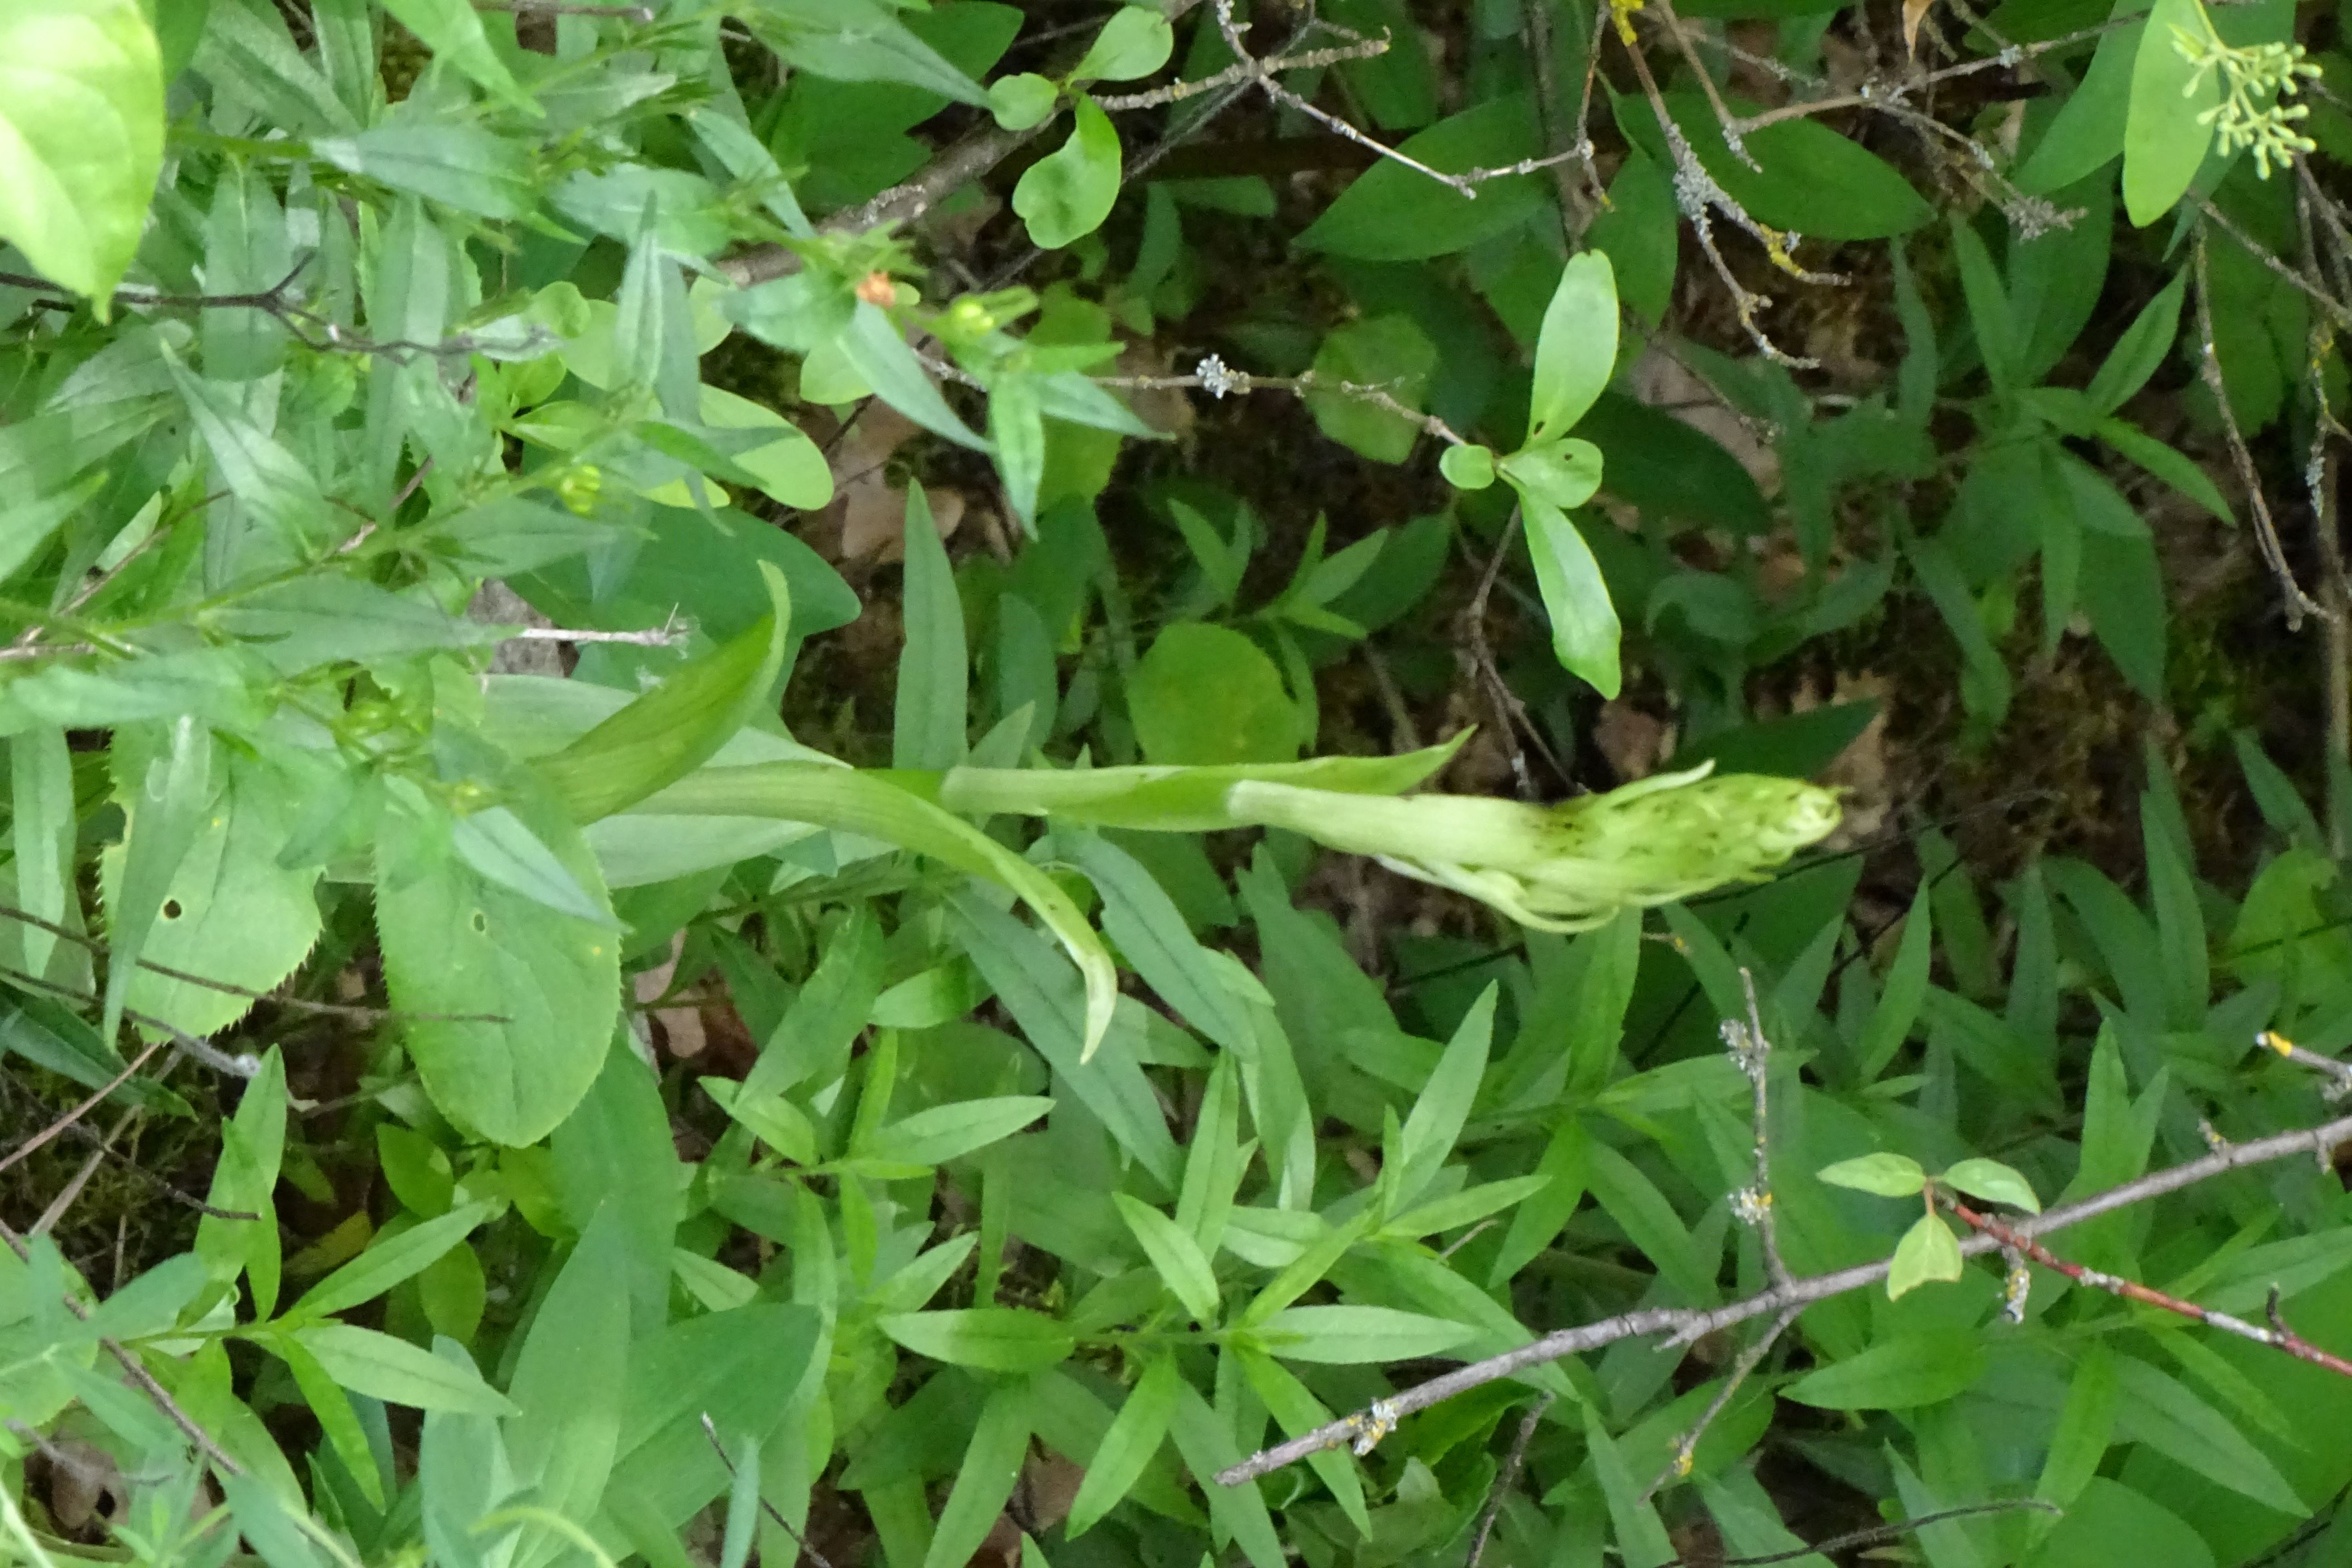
(1690,1322)
(2278,1336)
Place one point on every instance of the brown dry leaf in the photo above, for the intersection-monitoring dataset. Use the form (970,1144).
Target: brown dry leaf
(1860,772)
(1914,13)
(1666,385)
(1166,409)
(1053,1485)
(867,520)
(873,519)
(86,1489)
(1634,742)
(681,1026)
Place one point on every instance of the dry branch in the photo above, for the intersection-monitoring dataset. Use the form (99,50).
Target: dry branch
(1690,1322)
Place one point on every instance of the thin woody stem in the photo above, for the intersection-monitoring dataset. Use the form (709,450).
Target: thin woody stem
(46,1135)
(229,988)
(1752,1050)
(1506,1479)
(136,1369)
(2279,1337)
(2299,602)
(1686,1446)
(1219,382)
(2328,1066)
(1691,1322)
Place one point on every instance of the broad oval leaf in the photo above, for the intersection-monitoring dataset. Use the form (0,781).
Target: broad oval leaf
(1135,42)
(1888,1175)
(81,137)
(1929,1250)
(229,912)
(1577,351)
(1069,191)
(1993,1182)
(457,944)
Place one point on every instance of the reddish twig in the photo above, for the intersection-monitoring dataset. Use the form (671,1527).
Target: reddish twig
(2278,1336)
(1690,1322)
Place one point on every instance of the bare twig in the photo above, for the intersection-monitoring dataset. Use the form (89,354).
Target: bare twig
(49,1134)
(278,302)
(1686,1446)
(229,988)
(1576,207)
(1510,715)
(1243,73)
(1217,379)
(70,1193)
(668,634)
(2335,310)
(1699,197)
(2327,1067)
(244,1065)
(1507,1477)
(136,1369)
(1751,1052)
(2299,602)
(1686,1323)
(1262,73)
(1870,1535)
(710,1430)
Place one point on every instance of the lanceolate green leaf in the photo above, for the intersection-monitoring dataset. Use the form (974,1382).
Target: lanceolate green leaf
(396,1372)
(452,29)
(2165,132)
(1174,1254)
(571,1375)
(677,727)
(390,1261)
(1135,1436)
(850,801)
(934,668)
(1168,799)
(1584,627)
(992,1339)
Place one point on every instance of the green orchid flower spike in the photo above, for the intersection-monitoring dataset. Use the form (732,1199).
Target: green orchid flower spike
(1569,866)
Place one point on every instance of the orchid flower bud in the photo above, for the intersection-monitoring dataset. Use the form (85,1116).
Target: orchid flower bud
(1568,867)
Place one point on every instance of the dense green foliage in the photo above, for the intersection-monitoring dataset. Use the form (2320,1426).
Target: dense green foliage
(441,446)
